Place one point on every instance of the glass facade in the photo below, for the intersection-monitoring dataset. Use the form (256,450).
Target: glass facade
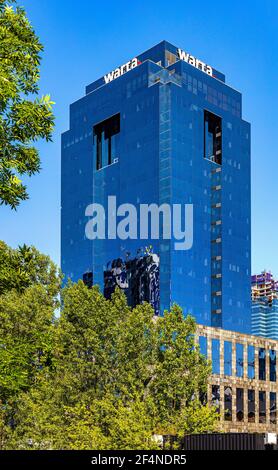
(227,358)
(243,378)
(203,344)
(251,361)
(215,356)
(228,403)
(239,360)
(272,405)
(272,365)
(262,407)
(164,132)
(262,364)
(239,404)
(215,396)
(251,406)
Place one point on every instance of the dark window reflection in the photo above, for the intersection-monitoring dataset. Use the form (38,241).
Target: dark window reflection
(239,404)
(251,362)
(213,137)
(251,406)
(215,396)
(272,406)
(261,364)
(203,397)
(262,407)
(272,365)
(228,403)
(105,141)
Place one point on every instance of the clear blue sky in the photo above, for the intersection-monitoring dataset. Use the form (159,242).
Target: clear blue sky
(85,39)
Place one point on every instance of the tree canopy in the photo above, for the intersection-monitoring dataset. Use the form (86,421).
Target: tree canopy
(98,376)
(24,118)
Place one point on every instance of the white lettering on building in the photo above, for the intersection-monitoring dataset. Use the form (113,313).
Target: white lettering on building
(190,59)
(131,64)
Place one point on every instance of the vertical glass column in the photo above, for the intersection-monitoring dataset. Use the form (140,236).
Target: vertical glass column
(165,162)
(251,361)
(203,344)
(239,404)
(228,403)
(215,355)
(239,360)
(215,396)
(227,358)
(251,406)
(262,407)
(272,365)
(272,407)
(262,364)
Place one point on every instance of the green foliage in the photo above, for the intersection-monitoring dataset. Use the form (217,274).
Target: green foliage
(23,118)
(181,372)
(26,266)
(101,376)
(29,288)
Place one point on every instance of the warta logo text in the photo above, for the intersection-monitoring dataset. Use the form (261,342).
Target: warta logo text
(121,70)
(190,59)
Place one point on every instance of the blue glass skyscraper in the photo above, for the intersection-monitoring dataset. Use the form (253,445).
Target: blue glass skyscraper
(164,128)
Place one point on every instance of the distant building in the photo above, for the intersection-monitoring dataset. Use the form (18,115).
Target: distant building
(243,384)
(265,305)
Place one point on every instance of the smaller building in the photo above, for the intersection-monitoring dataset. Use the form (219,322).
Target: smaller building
(243,384)
(265,305)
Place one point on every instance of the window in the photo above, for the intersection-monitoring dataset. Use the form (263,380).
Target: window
(228,403)
(203,345)
(203,397)
(227,358)
(106,140)
(272,407)
(261,364)
(272,365)
(262,407)
(215,352)
(239,359)
(251,362)
(170,58)
(215,396)
(213,137)
(239,404)
(88,279)
(251,406)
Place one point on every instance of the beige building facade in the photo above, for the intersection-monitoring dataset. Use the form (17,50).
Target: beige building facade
(243,384)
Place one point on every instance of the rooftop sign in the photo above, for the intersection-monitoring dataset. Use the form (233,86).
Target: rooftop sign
(131,64)
(190,59)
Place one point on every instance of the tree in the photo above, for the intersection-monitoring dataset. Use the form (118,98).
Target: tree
(23,118)
(116,378)
(180,375)
(29,289)
(26,266)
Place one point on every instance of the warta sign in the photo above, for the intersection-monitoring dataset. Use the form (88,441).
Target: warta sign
(131,64)
(190,59)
